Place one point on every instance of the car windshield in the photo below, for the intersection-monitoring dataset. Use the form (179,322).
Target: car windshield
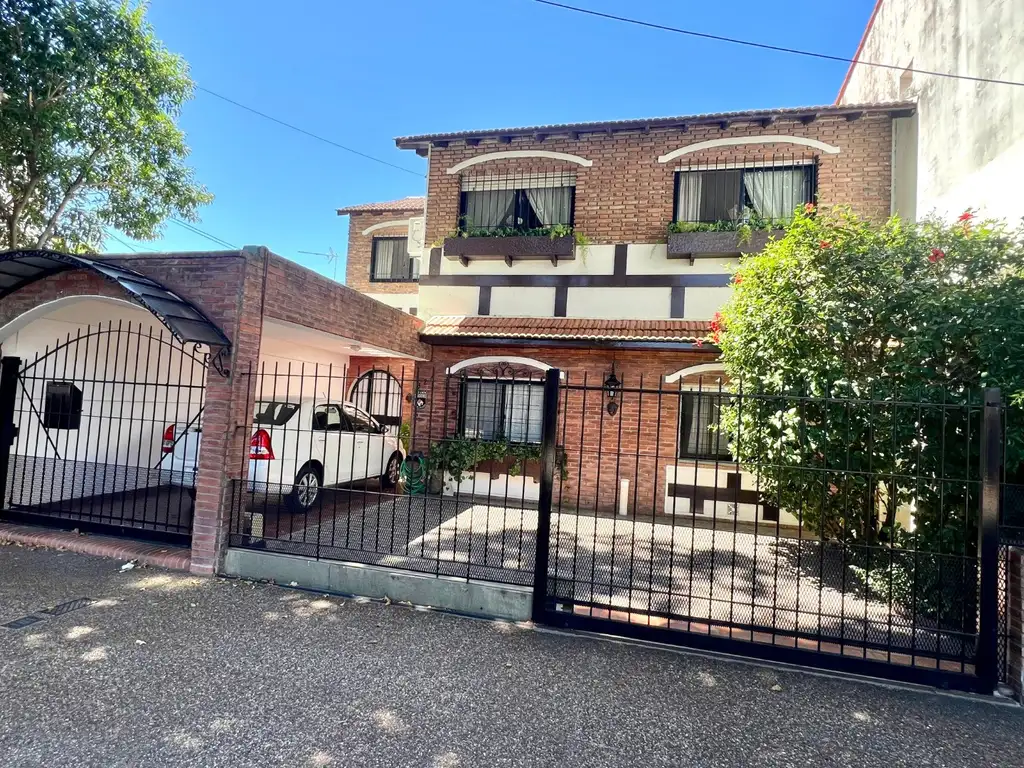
(273,413)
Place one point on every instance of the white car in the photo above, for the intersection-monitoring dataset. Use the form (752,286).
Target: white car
(299,447)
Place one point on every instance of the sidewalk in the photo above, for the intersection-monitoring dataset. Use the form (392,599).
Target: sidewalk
(169,669)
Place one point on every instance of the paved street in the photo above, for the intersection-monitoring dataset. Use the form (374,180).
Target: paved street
(165,669)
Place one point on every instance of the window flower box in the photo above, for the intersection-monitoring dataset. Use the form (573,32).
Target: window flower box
(686,245)
(511,249)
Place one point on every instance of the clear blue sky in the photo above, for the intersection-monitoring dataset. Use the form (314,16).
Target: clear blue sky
(361,73)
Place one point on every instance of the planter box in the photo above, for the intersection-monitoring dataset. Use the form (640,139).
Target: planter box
(531,247)
(531,468)
(685,245)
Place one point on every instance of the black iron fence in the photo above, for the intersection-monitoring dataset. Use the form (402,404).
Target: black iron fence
(851,530)
(435,475)
(102,431)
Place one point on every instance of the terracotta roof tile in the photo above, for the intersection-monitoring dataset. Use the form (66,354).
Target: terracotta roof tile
(409,142)
(566,328)
(414,204)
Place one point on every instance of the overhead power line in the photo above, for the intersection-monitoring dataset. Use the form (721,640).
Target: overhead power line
(309,133)
(767,47)
(207,235)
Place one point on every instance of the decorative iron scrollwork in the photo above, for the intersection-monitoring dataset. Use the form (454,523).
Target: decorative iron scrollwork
(217,361)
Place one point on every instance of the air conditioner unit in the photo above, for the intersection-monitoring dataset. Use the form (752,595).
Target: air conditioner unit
(417,232)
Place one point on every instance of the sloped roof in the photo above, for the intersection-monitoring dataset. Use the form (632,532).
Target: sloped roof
(414,204)
(644,124)
(565,328)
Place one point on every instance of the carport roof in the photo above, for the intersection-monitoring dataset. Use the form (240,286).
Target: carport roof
(181,317)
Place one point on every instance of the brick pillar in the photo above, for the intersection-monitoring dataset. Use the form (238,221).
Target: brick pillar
(1015,624)
(226,417)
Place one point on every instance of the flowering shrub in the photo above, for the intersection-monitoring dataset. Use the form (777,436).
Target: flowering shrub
(898,312)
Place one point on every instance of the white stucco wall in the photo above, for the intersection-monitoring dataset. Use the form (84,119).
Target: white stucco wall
(619,303)
(523,302)
(448,300)
(970,135)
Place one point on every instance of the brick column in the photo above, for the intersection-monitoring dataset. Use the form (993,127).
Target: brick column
(226,417)
(1015,623)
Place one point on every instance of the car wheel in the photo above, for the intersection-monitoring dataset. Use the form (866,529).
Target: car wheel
(305,492)
(390,477)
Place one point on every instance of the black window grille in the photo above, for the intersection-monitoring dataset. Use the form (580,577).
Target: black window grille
(527,204)
(502,410)
(390,261)
(768,192)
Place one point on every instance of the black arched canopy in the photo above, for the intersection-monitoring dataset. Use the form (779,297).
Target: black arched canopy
(181,317)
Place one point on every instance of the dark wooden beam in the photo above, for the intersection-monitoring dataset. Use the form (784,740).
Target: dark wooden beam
(766,121)
(504,139)
(422,151)
(574,136)
(851,116)
(472,142)
(439,144)
(808,119)
(540,137)
(723,124)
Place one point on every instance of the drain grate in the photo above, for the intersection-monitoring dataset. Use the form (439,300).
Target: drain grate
(69,606)
(24,621)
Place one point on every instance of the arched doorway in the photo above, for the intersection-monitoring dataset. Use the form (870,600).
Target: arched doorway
(379,394)
(101,399)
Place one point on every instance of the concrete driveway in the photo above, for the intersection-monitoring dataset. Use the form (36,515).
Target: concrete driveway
(165,669)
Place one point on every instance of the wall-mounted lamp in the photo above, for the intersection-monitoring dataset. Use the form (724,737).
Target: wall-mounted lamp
(612,387)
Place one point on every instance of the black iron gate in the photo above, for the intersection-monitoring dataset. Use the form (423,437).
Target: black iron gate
(101,432)
(859,533)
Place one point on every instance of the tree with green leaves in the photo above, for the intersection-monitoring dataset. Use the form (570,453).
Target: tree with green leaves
(865,349)
(88,103)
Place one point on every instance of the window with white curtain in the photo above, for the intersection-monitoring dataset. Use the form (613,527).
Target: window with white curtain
(699,434)
(521,202)
(390,261)
(734,194)
(509,410)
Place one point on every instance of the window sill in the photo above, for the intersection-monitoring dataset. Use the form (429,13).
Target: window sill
(691,245)
(412,281)
(511,249)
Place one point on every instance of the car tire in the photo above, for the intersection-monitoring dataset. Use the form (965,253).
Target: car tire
(305,492)
(391,472)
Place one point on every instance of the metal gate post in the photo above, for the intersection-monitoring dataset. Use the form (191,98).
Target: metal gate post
(986,663)
(549,435)
(9,368)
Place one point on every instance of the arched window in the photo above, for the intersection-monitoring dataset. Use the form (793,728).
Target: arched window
(703,392)
(380,395)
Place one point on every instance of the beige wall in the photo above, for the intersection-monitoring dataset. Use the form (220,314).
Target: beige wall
(970,149)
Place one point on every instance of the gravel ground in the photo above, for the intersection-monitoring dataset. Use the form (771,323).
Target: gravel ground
(170,670)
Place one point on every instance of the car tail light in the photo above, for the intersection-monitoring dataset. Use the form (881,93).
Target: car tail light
(260,448)
(168,444)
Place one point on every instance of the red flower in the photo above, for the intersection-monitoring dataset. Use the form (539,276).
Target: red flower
(823,244)
(808,207)
(698,342)
(937,254)
(966,216)
(716,337)
(737,278)
(716,322)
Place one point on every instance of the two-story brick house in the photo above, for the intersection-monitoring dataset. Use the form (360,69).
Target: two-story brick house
(550,246)
(385,243)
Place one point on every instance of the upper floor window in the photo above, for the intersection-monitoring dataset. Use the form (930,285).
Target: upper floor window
(390,261)
(517,203)
(733,194)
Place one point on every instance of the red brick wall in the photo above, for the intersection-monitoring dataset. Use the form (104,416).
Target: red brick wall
(299,295)
(627,195)
(360,249)
(227,288)
(601,450)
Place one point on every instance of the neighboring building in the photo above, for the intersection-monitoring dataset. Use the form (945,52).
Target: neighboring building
(385,242)
(556,253)
(968,135)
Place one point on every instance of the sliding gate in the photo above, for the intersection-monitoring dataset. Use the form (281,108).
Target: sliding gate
(848,538)
(101,432)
